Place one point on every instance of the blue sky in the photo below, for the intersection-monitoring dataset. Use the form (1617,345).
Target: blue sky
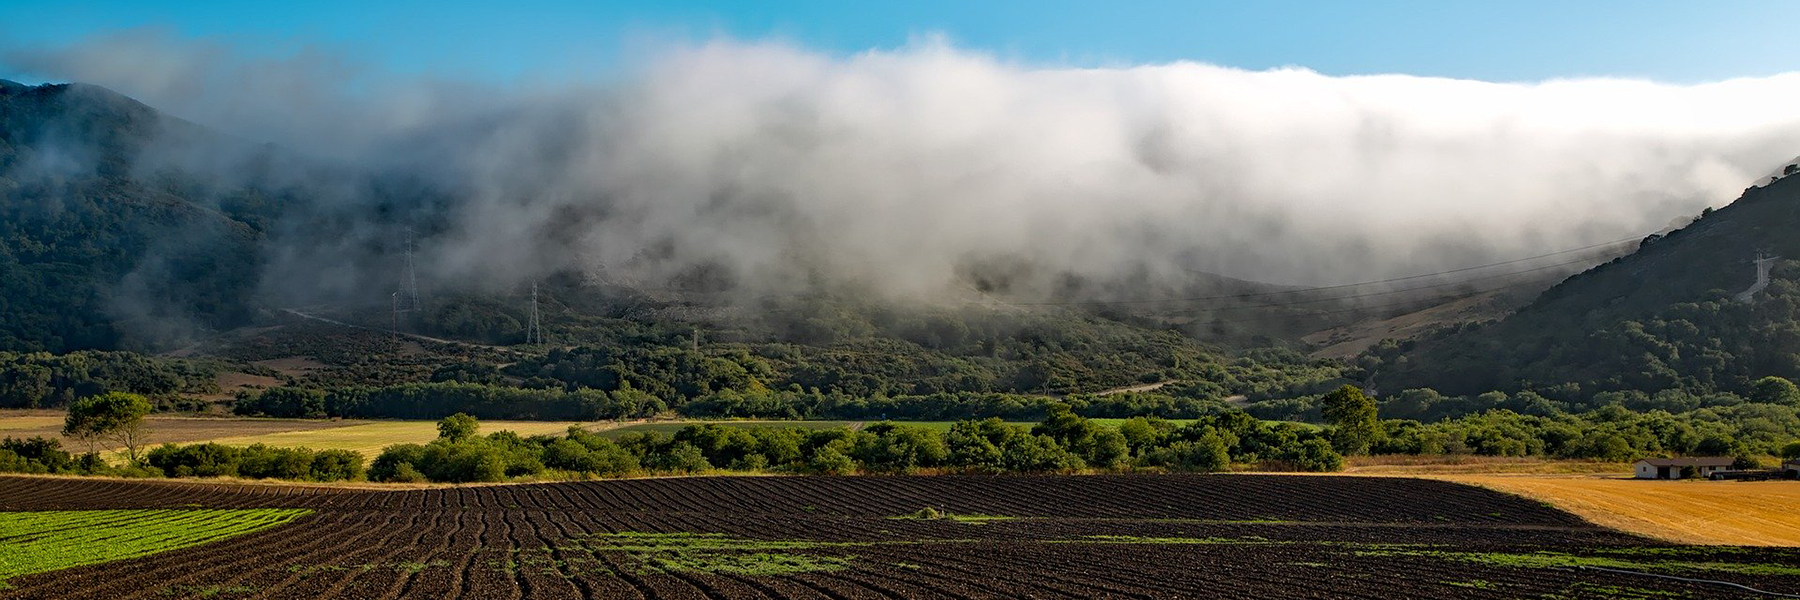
(1509,40)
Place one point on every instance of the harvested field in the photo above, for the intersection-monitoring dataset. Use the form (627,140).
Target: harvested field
(1114,536)
(1746,513)
(367,437)
(163,428)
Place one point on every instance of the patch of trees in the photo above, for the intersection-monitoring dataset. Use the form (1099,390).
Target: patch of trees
(255,462)
(883,351)
(1612,433)
(434,400)
(45,455)
(44,380)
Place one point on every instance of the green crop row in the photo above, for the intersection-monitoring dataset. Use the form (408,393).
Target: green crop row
(34,542)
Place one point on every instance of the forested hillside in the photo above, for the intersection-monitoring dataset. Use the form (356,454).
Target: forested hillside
(94,242)
(1661,320)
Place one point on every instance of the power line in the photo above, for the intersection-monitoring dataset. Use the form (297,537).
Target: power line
(1327,287)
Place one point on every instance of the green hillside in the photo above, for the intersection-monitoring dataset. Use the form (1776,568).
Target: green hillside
(90,247)
(1661,320)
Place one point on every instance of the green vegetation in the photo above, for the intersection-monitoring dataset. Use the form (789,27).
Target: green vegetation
(1133,539)
(207,591)
(1352,417)
(50,540)
(715,553)
(256,462)
(1064,442)
(932,514)
(1658,328)
(114,416)
(670,428)
(1561,560)
(96,256)
(44,380)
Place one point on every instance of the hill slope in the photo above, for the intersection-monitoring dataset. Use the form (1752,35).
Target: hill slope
(90,244)
(1660,318)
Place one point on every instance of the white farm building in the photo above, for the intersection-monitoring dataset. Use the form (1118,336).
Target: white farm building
(1671,468)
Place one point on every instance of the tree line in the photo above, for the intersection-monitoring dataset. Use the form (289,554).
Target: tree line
(1063,442)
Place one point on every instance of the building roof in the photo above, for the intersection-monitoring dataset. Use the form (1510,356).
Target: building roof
(1692,461)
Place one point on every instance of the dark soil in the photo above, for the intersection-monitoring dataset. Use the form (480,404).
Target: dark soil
(1164,536)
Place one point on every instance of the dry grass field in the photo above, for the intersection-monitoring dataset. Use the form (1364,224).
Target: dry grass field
(369,437)
(1743,513)
(163,428)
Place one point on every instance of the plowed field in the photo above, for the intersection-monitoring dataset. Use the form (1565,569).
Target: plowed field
(1164,536)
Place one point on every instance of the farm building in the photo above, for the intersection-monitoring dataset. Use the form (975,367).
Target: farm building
(1671,468)
(1791,468)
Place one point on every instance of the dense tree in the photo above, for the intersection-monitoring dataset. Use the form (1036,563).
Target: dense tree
(113,416)
(1351,415)
(1775,390)
(458,427)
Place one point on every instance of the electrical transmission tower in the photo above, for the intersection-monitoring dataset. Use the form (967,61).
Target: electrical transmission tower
(1763,262)
(412,276)
(534,328)
(409,286)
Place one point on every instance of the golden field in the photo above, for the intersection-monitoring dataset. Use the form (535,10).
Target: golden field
(1740,513)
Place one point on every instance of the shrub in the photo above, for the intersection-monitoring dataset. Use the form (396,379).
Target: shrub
(196,460)
(36,455)
(458,427)
(681,457)
(337,465)
(1317,455)
(829,461)
(387,466)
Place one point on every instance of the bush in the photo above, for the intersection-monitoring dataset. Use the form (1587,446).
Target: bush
(682,457)
(388,466)
(36,455)
(458,427)
(337,465)
(829,461)
(197,460)
(257,462)
(1317,455)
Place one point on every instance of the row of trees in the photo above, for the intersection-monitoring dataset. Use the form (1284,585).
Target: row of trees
(435,400)
(1063,442)
(258,461)
(490,401)
(1612,433)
